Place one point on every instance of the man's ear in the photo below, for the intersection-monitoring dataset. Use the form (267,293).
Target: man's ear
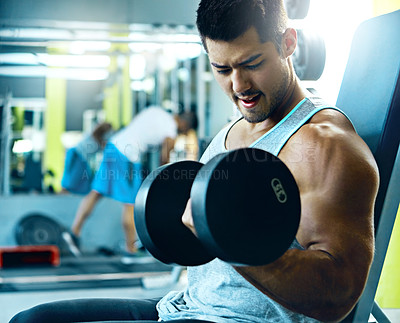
(289,42)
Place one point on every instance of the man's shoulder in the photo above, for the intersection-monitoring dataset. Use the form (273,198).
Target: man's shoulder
(328,123)
(329,136)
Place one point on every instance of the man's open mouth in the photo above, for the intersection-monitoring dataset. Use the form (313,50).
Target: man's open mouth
(250,102)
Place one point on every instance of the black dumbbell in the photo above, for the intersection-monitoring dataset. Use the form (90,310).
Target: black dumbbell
(245,207)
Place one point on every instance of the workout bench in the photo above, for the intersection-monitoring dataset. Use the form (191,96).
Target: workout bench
(370,96)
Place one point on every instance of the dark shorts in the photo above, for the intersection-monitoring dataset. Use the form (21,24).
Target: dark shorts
(93,310)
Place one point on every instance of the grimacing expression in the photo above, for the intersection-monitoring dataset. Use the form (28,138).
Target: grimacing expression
(253,74)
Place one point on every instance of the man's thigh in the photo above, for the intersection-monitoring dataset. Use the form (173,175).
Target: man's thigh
(92,309)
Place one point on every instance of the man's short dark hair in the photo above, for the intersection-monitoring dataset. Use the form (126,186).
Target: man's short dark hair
(228,19)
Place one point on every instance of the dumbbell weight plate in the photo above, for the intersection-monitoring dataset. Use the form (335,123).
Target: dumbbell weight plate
(38,229)
(159,207)
(310,55)
(246,207)
(297,9)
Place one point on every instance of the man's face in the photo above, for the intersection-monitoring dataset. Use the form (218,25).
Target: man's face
(253,74)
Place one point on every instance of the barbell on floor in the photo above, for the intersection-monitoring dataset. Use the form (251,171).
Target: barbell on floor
(245,205)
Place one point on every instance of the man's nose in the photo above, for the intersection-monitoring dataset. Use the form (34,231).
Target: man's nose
(240,82)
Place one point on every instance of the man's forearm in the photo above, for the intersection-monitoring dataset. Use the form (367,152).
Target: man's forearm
(310,282)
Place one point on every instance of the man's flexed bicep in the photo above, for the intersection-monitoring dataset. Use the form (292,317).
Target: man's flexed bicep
(338,183)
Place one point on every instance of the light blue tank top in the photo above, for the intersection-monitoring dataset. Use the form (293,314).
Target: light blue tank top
(216,292)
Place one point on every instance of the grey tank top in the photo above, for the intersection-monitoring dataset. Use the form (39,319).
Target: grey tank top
(216,292)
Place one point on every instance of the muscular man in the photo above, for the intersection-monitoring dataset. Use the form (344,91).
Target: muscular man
(322,275)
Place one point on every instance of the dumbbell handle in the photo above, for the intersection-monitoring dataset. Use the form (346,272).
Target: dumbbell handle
(187,218)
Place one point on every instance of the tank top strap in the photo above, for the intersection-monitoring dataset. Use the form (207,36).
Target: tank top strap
(274,140)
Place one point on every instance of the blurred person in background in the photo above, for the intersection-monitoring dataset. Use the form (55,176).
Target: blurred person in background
(121,171)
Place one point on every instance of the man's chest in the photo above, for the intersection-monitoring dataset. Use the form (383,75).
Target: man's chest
(239,137)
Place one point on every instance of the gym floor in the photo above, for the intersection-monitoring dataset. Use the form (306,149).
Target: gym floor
(154,286)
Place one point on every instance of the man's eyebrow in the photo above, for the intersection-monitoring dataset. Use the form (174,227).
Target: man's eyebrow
(219,66)
(247,61)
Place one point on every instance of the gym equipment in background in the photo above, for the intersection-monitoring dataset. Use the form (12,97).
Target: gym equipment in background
(23,256)
(297,9)
(38,229)
(309,56)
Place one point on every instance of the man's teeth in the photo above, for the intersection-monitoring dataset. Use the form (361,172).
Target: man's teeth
(251,99)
